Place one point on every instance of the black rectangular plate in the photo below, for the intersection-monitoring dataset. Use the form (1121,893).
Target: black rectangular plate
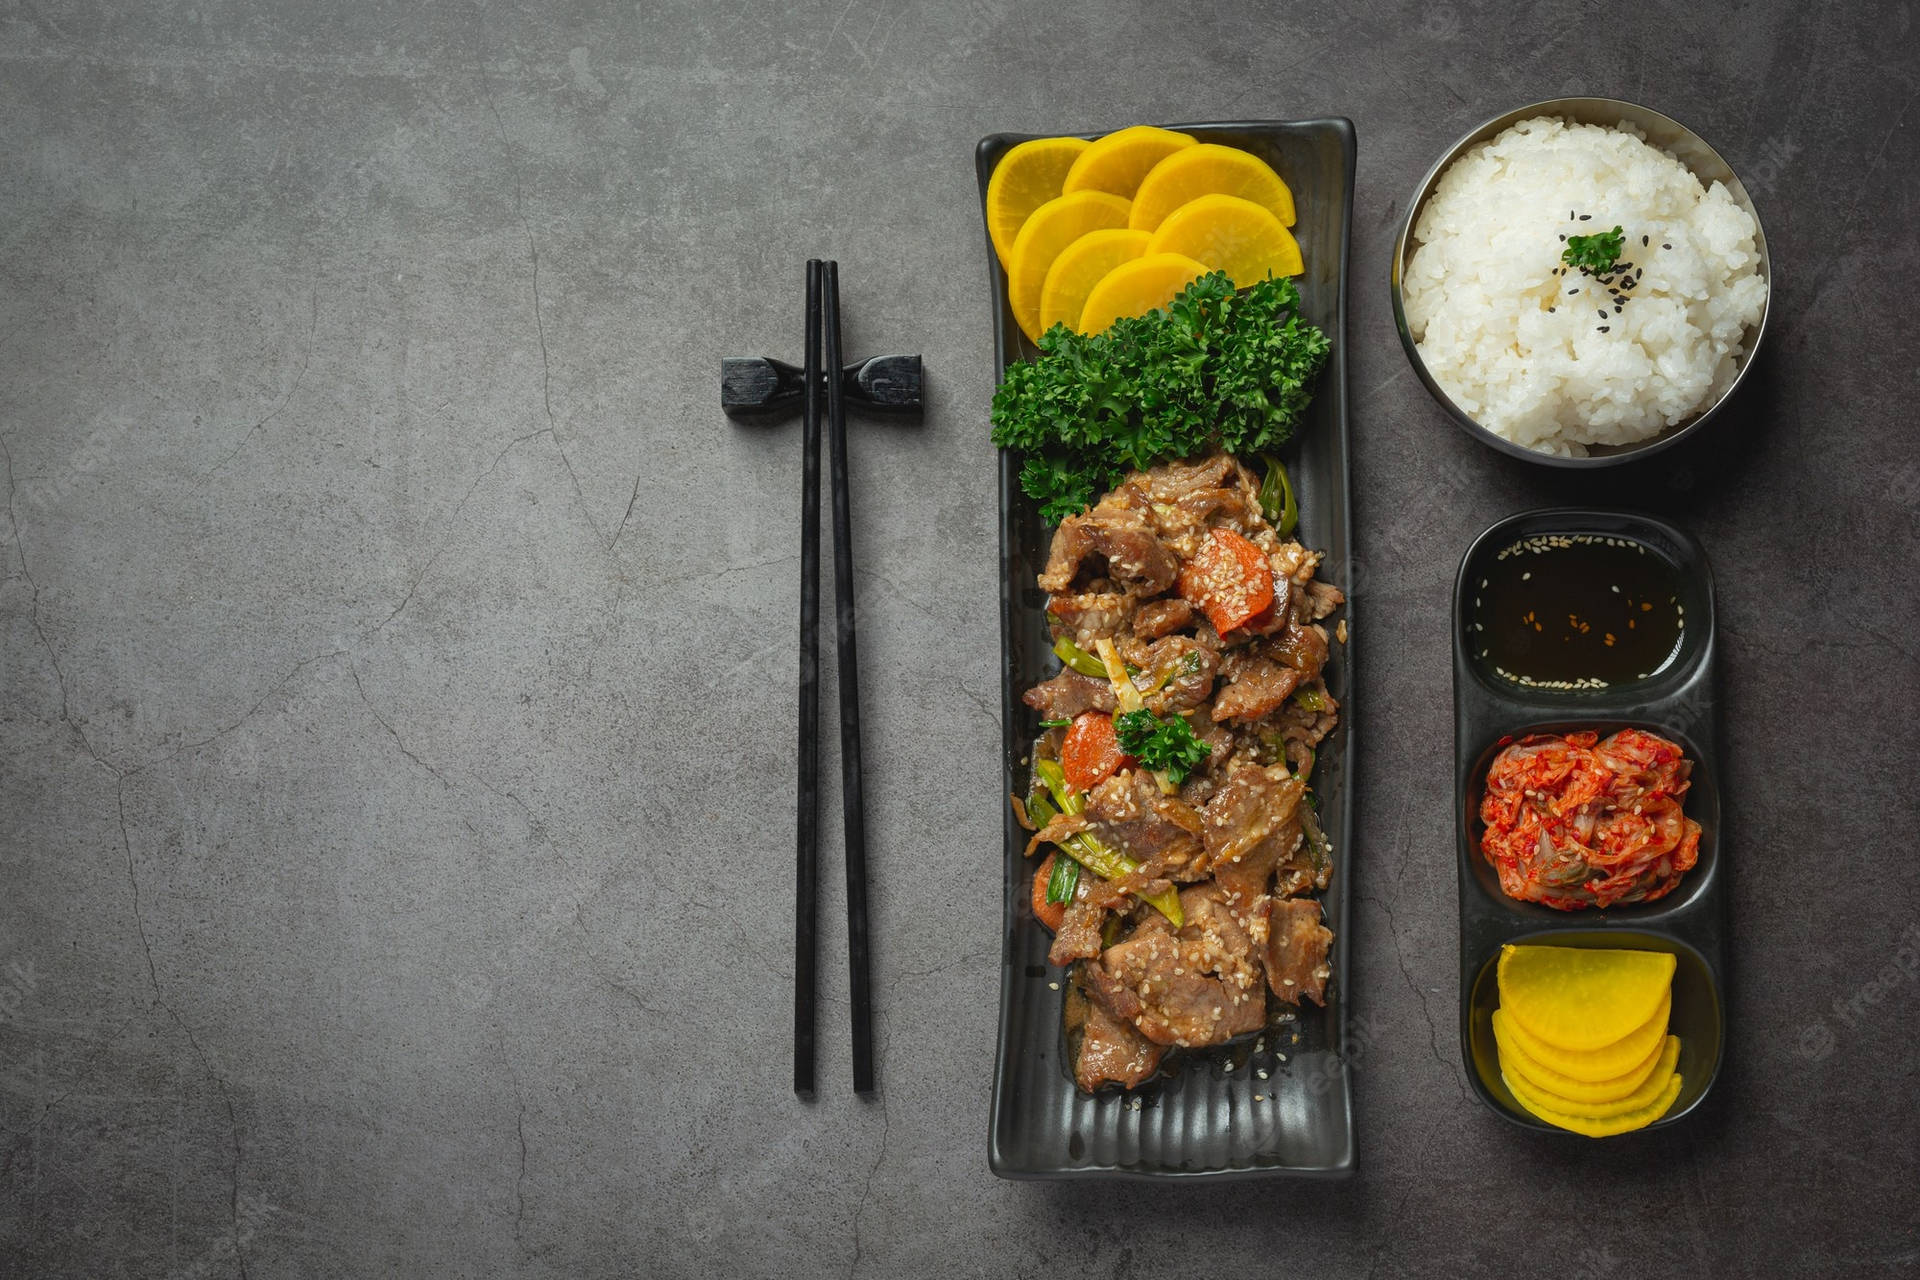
(1203,1121)
(1678,703)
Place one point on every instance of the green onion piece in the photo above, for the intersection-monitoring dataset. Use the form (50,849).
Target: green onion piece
(1054,779)
(1309,698)
(1040,810)
(1093,854)
(1319,848)
(1109,864)
(1079,659)
(1061,723)
(1276,498)
(1064,880)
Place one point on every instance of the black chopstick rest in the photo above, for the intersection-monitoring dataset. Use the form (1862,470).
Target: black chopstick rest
(751,386)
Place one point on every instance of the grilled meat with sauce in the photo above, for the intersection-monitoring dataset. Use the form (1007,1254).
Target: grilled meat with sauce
(1216,620)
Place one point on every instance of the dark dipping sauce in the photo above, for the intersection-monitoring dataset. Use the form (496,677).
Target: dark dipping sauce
(1576,611)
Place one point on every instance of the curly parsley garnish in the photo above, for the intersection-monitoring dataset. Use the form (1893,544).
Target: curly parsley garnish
(1216,369)
(1595,254)
(1162,745)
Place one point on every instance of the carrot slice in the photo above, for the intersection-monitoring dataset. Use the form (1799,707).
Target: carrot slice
(1091,753)
(1229,580)
(1047,913)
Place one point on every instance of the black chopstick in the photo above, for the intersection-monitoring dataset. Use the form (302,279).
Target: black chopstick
(853,807)
(806,893)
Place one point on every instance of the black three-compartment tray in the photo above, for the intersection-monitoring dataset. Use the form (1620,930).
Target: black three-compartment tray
(1677,701)
(1215,1116)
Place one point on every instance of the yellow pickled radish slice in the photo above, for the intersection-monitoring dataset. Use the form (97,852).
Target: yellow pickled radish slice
(1208,169)
(1591,1065)
(1582,997)
(1026,178)
(1116,163)
(1137,287)
(1053,226)
(1229,234)
(1606,1127)
(1639,1099)
(1082,265)
(1515,1060)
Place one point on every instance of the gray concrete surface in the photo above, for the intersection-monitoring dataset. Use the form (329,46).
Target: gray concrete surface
(398,643)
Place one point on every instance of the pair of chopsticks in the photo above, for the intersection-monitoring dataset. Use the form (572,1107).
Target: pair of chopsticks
(823,352)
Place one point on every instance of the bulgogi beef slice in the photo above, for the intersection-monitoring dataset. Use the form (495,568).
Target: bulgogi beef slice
(1092,614)
(1304,729)
(1184,670)
(1106,989)
(1159,618)
(1322,599)
(1078,937)
(1256,687)
(1169,483)
(1058,828)
(1276,617)
(1197,985)
(1112,1051)
(1252,827)
(1304,648)
(1184,500)
(1121,546)
(1162,833)
(1220,743)
(1297,945)
(1068,694)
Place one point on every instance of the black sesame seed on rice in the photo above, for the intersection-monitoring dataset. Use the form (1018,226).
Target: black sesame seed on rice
(1586,217)
(1604,328)
(1643,240)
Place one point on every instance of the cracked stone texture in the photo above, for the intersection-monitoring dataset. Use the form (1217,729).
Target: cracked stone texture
(399,643)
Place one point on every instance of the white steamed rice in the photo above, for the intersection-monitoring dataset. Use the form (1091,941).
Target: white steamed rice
(1481,280)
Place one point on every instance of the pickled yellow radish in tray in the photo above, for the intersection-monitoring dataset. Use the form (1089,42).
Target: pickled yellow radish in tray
(1582,997)
(1208,169)
(1026,178)
(1221,207)
(1572,1095)
(1606,1126)
(1515,1060)
(1230,234)
(1082,265)
(1053,226)
(1581,1034)
(1137,287)
(1116,163)
(1603,1063)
